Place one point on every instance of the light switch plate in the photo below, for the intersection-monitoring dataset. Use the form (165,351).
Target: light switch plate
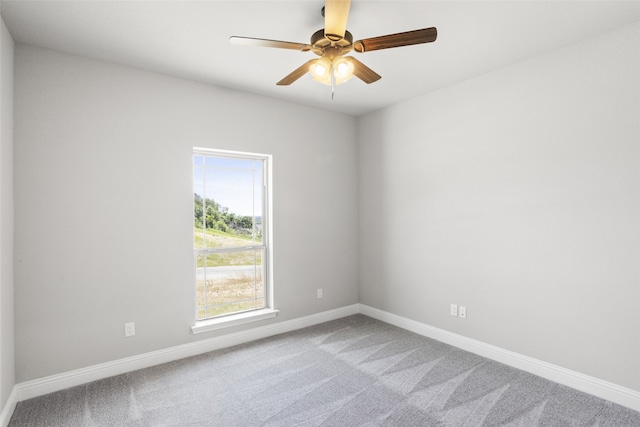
(454,310)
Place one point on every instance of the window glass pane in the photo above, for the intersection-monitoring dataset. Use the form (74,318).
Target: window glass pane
(200,288)
(229,282)
(198,208)
(258,195)
(232,204)
(213,218)
(210,161)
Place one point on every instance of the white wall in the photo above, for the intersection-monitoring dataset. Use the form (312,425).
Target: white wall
(517,195)
(7,369)
(97,146)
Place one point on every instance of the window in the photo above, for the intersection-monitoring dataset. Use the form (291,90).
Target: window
(231,234)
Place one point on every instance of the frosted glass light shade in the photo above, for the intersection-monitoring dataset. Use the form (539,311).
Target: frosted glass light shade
(342,69)
(321,70)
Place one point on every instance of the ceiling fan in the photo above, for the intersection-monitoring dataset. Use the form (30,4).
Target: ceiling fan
(333,42)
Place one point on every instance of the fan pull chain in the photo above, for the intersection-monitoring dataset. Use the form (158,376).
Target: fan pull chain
(333,82)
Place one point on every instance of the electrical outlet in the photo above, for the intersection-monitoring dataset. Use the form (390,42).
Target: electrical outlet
(319,293)
(454,310)
(129,329)
(462,312)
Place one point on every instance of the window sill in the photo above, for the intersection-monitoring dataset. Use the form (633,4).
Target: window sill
(233,320)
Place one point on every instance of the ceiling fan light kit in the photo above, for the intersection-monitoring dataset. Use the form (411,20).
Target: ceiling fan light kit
(333,42)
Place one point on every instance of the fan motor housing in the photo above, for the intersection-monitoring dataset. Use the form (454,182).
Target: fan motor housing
(321,42)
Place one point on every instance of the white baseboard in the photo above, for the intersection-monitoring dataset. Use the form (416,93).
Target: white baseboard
(591,385)
(9,407)
(42,386)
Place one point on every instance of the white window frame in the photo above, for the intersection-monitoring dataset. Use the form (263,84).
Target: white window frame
(269,310)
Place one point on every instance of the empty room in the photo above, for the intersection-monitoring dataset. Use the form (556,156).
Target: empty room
(320,213)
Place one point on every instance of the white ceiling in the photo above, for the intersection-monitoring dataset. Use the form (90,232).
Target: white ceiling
(190,39)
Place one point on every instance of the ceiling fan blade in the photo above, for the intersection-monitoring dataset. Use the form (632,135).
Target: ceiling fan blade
(363,72)
(296,74)
(425,35)
(336,14)
(250,41)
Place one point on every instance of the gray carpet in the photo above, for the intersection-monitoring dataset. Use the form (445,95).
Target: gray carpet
(354,371)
